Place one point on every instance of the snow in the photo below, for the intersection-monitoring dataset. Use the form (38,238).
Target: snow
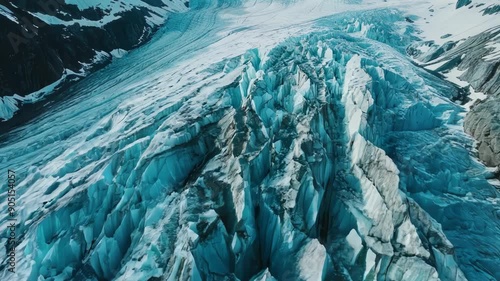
(53,20)
(99,57)
(453,76)
(452,21)
(474,96)
(230,148)
(118,53)
(111,10)
(495,53)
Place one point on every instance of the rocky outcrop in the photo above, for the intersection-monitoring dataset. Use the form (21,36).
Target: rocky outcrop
(483,74)
(483,122)
(462,3)
(479,65)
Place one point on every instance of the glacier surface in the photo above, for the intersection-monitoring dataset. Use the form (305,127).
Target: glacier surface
(254,141)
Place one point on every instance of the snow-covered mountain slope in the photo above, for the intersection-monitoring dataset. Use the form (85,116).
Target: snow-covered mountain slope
(465,49)
(257,141)
(47,42)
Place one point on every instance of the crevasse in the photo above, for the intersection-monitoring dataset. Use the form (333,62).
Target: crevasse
(330,157)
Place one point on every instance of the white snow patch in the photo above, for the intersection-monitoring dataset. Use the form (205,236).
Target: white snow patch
(355,242)
(474,96)
(118,53)
(453,76)
(52,20)
(98,57)
(112,10)
(460,23)
(495,53)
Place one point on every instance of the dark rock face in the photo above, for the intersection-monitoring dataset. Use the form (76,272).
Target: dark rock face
(39,39)
(462,3)
(483,122)
(491,10)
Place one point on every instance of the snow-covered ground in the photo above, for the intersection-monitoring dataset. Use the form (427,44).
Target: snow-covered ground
(260,140)
(440,23)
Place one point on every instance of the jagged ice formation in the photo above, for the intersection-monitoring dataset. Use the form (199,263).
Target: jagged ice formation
(326,155)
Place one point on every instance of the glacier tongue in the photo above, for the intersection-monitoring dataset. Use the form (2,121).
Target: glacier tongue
(325,156)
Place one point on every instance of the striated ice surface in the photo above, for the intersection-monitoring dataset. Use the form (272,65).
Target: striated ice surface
(230,149)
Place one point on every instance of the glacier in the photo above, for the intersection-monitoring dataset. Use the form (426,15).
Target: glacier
(254,141)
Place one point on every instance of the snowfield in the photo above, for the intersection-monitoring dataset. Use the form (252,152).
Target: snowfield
(260,140)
